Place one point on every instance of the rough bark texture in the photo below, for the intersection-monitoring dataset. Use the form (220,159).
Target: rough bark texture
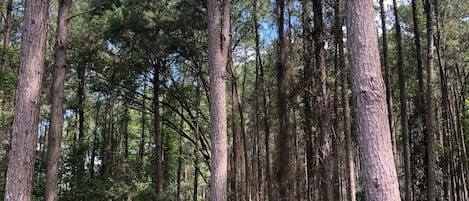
(283,163)
(57,113)
(308,108)
(377,165)
(339,20)
(323,106)
(218,47)
(431,183)
(24,134)
(403,106)
(387,80)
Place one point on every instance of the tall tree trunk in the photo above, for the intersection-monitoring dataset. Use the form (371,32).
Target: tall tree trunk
(219,24)
(323,106)
(20,172)
(126,120)
(403,105)
(57,113)
(308,110)
(258,91)
(420,100)
(81,125)
(431,163)
(196,160)
(238,104)
(377,165)
(418,47)
(141,147)
(179,163)
(387,82)
(108,135)
(158,134)
(95,140)
(339,20)
(283,161)
(256,158)
(236,161)
(265,116)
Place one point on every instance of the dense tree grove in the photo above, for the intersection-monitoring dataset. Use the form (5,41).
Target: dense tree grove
(234,100)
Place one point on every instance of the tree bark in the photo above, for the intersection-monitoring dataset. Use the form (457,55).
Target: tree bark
(236,161)
(323,105)
(418,47)
(308,110)
(57,113)
(403,106)
(95,140)
(377,165)
(107,139)
(141,147)
(339,20)
(387,81)
(265,116)
(283,162)
(20,172)
(196,160)
(218,47)
(256,159)
(431,163)
(158,134)
(81,125)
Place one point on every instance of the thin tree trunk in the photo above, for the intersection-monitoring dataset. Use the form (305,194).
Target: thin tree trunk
(57,113)
(418,47)
(403,106)
(431,163)
(268,175)
(238,104)
(20,172)
(377,165)
(196,173)
(323,106)
(107,155)
(235,148)
(158,134)
(387,81)
(126,120)
(219,25)
(283,162)
(196,180)
(179,163)
(256,160)
(308,111)
(81,125)
(339,20)
(259,89)
(95,140)
(141,147)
